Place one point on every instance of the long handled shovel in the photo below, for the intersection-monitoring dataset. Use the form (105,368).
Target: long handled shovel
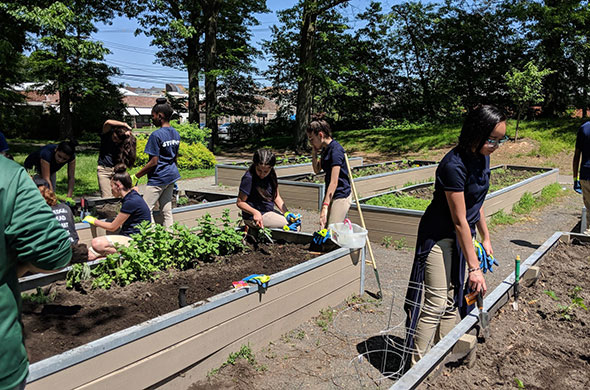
(358,205)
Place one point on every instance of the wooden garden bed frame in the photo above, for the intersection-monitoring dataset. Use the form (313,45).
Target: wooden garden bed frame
(231,174)
(186,215)
(403,223)
(311,195)
(492,303)
(177,349)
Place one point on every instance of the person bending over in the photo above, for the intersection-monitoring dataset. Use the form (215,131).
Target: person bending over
(117,146)
(51,158)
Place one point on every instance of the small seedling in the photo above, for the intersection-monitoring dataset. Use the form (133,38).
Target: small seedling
(400,244)
(265,234)
(39,297)
(551,294)
(325,319)
(519,383)
(566,311)
(300,335)
(387,240)
(245,353)
(182,201)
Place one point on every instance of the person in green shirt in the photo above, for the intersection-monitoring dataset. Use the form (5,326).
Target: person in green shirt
(31,239)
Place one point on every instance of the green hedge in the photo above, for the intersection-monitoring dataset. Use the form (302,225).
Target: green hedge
(195,156)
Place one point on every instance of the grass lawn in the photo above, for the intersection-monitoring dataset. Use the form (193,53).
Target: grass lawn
(86,162)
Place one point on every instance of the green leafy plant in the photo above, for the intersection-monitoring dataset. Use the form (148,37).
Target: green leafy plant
(566,311)
(191,133)
(77,274)
(400,201)
(245,353)
(39,297)
(387,241)
(182,201)
(519,383)
(551,294)
(325,318)
(400,244)
(264,234)
(190,156)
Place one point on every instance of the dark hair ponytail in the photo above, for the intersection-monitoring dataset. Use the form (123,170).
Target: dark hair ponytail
(319,123)
(162,107)
(264,157)
(127,149)
(68,147)
(122,176)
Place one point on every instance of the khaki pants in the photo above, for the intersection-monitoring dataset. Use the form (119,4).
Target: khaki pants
(104,181)
(586,196)
(270,220)
(163,196)
(338,209)
(438,314)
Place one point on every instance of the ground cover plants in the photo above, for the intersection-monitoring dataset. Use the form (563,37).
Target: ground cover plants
(369,170)
(281,160)
(544,344)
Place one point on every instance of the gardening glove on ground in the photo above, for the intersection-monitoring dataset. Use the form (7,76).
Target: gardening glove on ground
(320,237)
(486,261)
(89,219)
(577,186)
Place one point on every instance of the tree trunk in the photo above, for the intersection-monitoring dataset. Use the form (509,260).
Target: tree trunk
(192,66)
(304,88)
(211,11)
(65,116)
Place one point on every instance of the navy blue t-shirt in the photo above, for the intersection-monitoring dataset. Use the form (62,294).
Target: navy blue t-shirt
(457,172)
(163,143)
(252,188)
(138,210)
(583,143)
(46,153)
(333,155)
(108,151)
(3,144)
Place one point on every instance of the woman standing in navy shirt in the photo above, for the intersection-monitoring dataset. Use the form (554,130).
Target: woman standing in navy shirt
(161,169)
(134,211)
(338,197)
(117,146)
(444,246)
(259,193)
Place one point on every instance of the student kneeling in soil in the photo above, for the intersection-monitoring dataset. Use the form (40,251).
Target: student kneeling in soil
(444,246)
(338,197)
(117,146)
(50,158)
(134,211)
(259,193)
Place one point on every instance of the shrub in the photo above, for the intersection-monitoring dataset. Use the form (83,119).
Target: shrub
(191,133)
(195,156)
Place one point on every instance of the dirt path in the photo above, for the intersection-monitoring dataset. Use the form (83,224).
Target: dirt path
(320,353)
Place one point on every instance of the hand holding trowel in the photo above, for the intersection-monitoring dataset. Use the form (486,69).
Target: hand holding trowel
(484,322)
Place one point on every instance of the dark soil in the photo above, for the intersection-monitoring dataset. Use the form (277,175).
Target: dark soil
(536,344)
(76,318)
(365,170)
(498,180)
(79,253)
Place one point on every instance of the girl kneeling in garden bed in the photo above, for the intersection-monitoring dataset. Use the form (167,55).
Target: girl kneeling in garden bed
(134,210)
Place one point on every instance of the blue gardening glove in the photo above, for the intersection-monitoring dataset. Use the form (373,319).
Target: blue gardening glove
(486,261)
(292,218)
(320,237)
(577,186)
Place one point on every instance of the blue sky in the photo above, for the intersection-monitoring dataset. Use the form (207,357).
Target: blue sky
(134,56)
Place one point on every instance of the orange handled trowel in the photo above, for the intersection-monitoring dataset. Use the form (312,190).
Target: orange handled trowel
(484,322)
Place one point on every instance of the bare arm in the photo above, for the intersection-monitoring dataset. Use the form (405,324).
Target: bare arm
(329,194)
(482,227)
(456,201)
(315,161)
(576,163)
(280,203)
(46,173)
(151,164)
(112,226)
(110,123)
(242,205)
(71,177)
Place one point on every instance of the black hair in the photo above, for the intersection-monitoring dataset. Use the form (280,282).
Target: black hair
(122,176)
(478,125)
(67,147)
(127,149)
(319,123)
(162,107)
(264,157)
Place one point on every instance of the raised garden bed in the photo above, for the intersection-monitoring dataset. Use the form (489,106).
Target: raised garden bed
(231,174)
(402,223)
(174,348)
(543,345)
(206,203)
(307,190)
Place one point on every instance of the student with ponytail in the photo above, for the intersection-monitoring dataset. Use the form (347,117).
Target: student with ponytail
(162,148)
(338,196)
(117,146)
(259,193)
(134,211)
(63,212)
(51,158)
